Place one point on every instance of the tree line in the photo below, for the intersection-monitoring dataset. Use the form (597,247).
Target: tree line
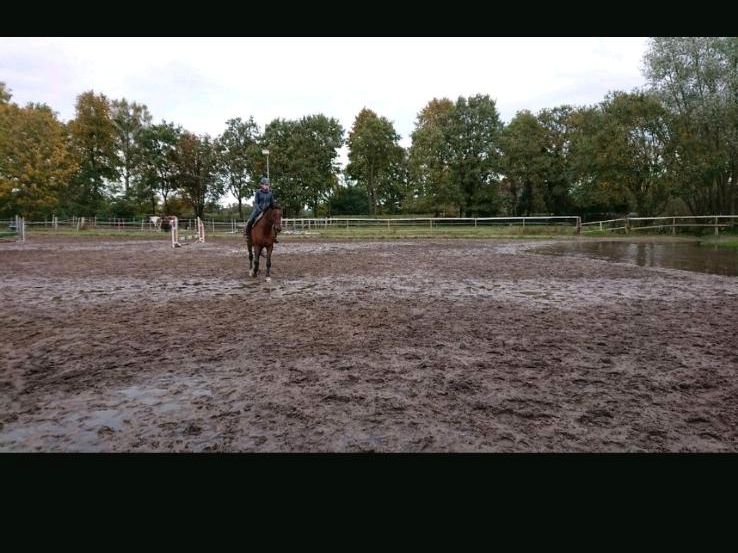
(670,148)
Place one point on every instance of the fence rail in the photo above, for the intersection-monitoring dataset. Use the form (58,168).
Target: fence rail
(234,226)
(308,224)
(629,224)
(13,229)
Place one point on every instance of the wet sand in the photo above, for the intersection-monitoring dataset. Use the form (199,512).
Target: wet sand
(416,345)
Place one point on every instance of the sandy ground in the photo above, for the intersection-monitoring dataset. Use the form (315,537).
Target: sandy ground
(417,345)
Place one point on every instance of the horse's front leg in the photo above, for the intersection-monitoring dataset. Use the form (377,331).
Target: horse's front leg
(251,255)
(269,261)
(257,255)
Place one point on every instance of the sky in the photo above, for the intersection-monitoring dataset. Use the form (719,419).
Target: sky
(200,83)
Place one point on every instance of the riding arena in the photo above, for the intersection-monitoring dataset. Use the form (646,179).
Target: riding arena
(420,343)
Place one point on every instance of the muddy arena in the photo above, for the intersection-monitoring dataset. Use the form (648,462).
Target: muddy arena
(354,346)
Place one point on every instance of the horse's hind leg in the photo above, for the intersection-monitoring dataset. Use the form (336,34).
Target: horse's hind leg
(251,251)
(269,261)
(255,268)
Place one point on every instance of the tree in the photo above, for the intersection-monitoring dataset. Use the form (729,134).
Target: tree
(430,184)
(697,80)
(472,137)
(287,188)
(94,142)
(239,158)
(196,162)
(35,160)
(130,121)
(318,140)
(303,160)
(374,153)
(5,94)
(593,189)
(631,142)
(349,200)
(160,166)
(524,162)
(558,128)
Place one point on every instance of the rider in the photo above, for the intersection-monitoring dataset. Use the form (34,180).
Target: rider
(263,200)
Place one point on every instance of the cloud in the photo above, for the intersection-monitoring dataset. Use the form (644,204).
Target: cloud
(202,82)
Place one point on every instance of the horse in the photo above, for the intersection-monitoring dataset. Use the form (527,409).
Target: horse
(262,236)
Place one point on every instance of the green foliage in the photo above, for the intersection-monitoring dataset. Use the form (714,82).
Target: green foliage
(525,164)
(591,190)
(239,158)
(317,140)
(430,185)
(5,94)
(472,136)
(375,158)
(696,79)
(558,128)
(35,161)
(303,160)
(349,200)
(130,121)
(160,167)
(631,143)
(94,144)
(196,161)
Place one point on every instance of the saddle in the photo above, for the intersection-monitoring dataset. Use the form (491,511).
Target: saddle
(258,218)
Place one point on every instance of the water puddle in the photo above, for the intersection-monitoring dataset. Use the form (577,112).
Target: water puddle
(673,255)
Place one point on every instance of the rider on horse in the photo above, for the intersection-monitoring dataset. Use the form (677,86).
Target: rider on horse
(262,201)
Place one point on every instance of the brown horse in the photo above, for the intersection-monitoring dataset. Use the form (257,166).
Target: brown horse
(262,236)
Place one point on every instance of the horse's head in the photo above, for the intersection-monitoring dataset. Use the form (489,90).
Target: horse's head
(277,217)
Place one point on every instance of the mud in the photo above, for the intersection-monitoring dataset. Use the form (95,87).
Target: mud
(418,345)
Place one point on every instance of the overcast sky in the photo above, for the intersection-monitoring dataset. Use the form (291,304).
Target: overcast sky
(200,83)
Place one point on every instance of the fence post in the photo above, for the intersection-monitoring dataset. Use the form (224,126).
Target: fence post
(173,223)
(627,225)
(20,228)
(716,225)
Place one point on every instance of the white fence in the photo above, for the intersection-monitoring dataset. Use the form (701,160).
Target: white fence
(304,224)
(315,224)
(235,226)
(13,229)
(668,224)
